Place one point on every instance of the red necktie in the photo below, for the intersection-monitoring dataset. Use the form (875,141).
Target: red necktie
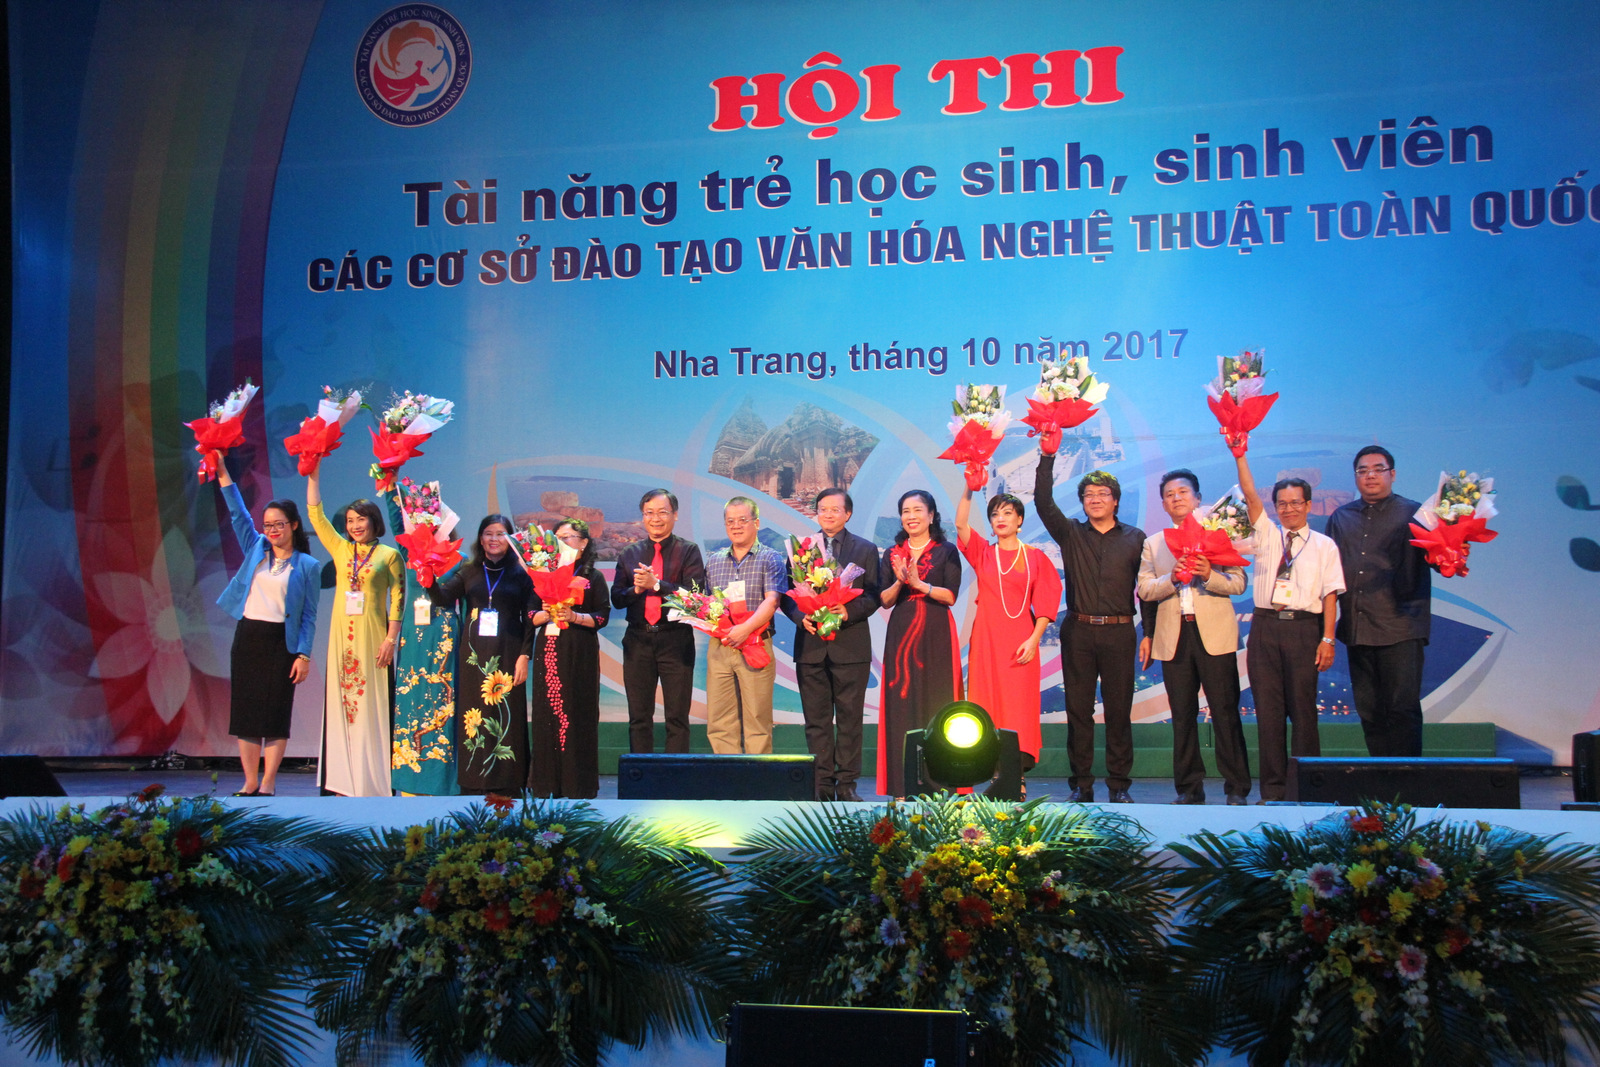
(652,603)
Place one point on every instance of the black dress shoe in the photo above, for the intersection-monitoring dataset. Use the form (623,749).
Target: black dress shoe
(847,794)
(1234,798)
(1190,798)
(1120,796)
(1082,795)
(825,792)
(248,793)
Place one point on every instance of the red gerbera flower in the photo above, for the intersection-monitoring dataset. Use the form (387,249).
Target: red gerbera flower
(150,792)
(497,916)
(882,833)
(430,896)
(1044,899)
(188,842)
(64,867)
(1457,939)
(499,803)
(546,908)
(975,911)
(1367,824)
(911,888)
(1318,925)
(958,944)
(31,885)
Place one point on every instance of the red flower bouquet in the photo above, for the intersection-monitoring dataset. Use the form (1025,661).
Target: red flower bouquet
(221,429)
(715,615)
(322,433)
(1455,516)
(1190,541)
(979,425)
(410,421)
(1235,397)
(821,588)
(1065,397)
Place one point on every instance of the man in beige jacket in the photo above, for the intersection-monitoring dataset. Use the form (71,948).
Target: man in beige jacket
(1196,639)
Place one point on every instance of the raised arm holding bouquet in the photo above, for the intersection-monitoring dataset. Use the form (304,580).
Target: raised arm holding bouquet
(980,423)
(1457,514)
(322,433)
(221,429)
(1235,397)
(1065,397)
(410,421)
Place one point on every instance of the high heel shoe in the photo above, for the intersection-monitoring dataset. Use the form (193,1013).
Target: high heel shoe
(249,793)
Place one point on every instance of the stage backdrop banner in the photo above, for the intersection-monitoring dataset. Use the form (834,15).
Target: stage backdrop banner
(756,249)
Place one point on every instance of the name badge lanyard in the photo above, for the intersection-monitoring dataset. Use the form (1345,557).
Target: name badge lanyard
(1282,583)
(489,618)
(355,599)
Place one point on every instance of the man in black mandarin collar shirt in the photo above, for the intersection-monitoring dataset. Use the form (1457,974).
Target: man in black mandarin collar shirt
(832,676)
(653,649)
(1385,611)
(1098,640)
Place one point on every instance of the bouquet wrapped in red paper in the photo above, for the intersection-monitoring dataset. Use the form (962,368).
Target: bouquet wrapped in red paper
(551,565)
(221,429)
(1065,397)
(980,422)
(1190,541)
(410,420)
(1236,399)
(820,587)
(428,525)
(1456,515)
(323,432)
(715,615)
(1230,514)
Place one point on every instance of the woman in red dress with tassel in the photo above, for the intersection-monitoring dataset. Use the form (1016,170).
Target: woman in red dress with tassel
(921,651)
(1019,592)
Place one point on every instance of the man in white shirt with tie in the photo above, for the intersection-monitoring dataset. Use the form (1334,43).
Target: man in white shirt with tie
(1296,579)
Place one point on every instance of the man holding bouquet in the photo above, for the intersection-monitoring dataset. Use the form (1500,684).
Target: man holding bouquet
(832,674)
(655,649)
(1296,579)
(1386,611)
(1197,641)
(738,696)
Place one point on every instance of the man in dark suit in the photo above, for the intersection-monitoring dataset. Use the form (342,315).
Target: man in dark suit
(833,675)
(653,649)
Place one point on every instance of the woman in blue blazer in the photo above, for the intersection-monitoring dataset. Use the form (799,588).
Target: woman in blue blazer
(274,596)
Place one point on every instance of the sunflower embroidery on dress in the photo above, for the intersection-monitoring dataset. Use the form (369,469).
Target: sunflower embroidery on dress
(486,728)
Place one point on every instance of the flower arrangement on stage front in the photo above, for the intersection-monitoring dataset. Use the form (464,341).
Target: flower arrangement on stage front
(1457,514)
(979,424)
(1231,515)
(411,419)
(527,933)
(818,585)
(163,929)
(1235,397)
(714,615)
(321,434)
(1044,922)
(1065,397)
(1367,938)
(221,429)
(430,551)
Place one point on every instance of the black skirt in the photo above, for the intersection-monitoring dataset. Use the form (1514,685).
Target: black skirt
(263,695)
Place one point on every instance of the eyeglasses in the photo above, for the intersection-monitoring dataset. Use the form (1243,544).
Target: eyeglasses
(1099,496)
(1364,472)
(1292,505)
(571,538)
(274,527)
(737,522)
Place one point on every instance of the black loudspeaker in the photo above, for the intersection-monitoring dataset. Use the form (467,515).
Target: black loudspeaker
(783,1035)
(1585,753)
(1420,782)
(656,776)
(1009,766)
(27,776)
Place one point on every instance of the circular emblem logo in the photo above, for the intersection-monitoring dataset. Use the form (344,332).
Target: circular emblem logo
(413,64)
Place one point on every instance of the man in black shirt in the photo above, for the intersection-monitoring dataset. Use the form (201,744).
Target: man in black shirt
(1385,611)
(654,649)
(1098,640)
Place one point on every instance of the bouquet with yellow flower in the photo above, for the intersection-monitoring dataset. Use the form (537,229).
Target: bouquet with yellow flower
(527,933)
(1065,397)
(157,930)
(1044,922)
(1230,514)
(1456,515)
(1238,398)
(819,586)
(979,424)
(1368,938)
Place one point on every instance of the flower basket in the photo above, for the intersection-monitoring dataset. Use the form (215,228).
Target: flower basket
(531,934)
(163,929)
(1369,939)
(1043,922)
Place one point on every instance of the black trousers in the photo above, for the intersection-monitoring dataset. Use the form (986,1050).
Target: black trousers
(1386,681)
(832,696)
(1191,668)
(1282,659)
(1107,654)
(664,655)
